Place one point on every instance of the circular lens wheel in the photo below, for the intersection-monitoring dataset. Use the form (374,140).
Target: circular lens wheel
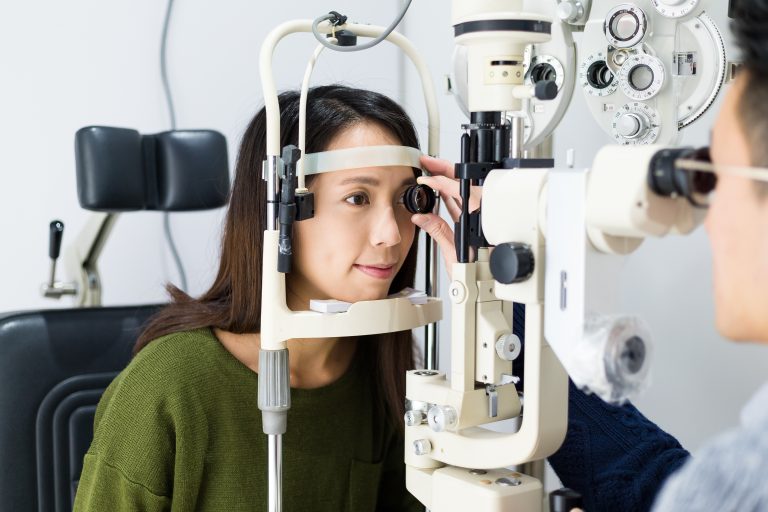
(641,77)
(545,67)
(625,25)
(596,77)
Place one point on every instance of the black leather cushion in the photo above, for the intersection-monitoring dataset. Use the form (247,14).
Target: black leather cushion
(119,170)
(54,366)
(109,164)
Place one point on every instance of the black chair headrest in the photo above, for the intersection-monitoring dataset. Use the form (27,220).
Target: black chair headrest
(118,169)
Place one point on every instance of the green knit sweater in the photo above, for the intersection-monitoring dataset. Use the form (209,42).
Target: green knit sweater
(180,430)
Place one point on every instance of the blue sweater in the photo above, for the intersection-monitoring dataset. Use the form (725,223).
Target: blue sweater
(614,456)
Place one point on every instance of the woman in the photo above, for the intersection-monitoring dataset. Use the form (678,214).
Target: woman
(179,428)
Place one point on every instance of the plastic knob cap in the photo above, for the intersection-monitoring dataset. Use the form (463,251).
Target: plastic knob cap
(56,232)
(508,347)
(631,126)
(570,12)
(511,263)
(545,90)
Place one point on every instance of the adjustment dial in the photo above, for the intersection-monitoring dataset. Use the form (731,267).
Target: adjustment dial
(636,123)
(674,8)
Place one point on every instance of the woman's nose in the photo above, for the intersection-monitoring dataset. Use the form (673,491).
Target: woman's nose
(385,230)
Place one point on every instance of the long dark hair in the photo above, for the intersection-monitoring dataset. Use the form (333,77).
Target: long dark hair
(233,302)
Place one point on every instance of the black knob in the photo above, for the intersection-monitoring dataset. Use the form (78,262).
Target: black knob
(564,500)
(545,90)
(54,244)
(511,263)
(344,38)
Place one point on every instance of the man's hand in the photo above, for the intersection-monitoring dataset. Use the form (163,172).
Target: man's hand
(442,181)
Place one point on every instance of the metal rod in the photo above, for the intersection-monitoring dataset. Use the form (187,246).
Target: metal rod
(273,190)
(517,137)
(543,150)
(275,475)
(431,275)
(53,273)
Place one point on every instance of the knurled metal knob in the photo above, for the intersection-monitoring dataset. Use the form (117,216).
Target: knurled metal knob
(441,417)
(422,447)
(413,418)
(508,347)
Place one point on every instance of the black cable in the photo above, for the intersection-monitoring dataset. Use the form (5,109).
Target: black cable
(338,19)
(172,114)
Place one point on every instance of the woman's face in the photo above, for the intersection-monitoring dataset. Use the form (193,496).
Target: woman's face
(361,232)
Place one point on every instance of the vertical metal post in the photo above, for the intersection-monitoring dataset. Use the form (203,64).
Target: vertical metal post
(517,137)
(274,441)
(431,262)
(543,150)
(275,472)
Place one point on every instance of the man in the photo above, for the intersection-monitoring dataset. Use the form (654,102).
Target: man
(614,456)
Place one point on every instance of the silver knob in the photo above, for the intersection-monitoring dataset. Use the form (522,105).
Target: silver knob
(422,446)
(441,417)
(569,11)
(632,126)
(413,418)
(508,347)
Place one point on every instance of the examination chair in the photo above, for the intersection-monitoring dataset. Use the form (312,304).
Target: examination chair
(56,363)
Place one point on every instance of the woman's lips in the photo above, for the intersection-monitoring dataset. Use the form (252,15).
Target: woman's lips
(377,271)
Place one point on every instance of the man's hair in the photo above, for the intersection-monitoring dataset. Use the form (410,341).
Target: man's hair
(750,27)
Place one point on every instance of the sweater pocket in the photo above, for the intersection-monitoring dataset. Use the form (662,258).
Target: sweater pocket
(364,478)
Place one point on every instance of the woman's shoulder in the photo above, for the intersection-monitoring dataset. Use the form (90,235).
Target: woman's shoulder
(162,374)
(176,355)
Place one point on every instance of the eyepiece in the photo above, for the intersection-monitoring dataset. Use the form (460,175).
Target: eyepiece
(420,199)
(666,179)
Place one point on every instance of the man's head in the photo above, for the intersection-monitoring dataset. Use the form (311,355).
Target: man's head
(737,222)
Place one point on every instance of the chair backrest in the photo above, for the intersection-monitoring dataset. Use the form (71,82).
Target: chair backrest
(54,367)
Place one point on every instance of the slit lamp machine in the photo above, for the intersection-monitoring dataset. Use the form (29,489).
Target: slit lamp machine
(526,259)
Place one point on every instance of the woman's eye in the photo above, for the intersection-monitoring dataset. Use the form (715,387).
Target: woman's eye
(401,199)
(357,199)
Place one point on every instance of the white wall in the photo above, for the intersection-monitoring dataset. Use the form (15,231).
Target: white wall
(71,64)
(700,381)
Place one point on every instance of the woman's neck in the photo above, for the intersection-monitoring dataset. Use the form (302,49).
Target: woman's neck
(313,363)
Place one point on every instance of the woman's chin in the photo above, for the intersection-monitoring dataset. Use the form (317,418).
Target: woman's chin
(363,296)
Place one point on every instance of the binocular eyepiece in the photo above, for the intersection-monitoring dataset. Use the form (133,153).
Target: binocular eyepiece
(420,199)
(667,179)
